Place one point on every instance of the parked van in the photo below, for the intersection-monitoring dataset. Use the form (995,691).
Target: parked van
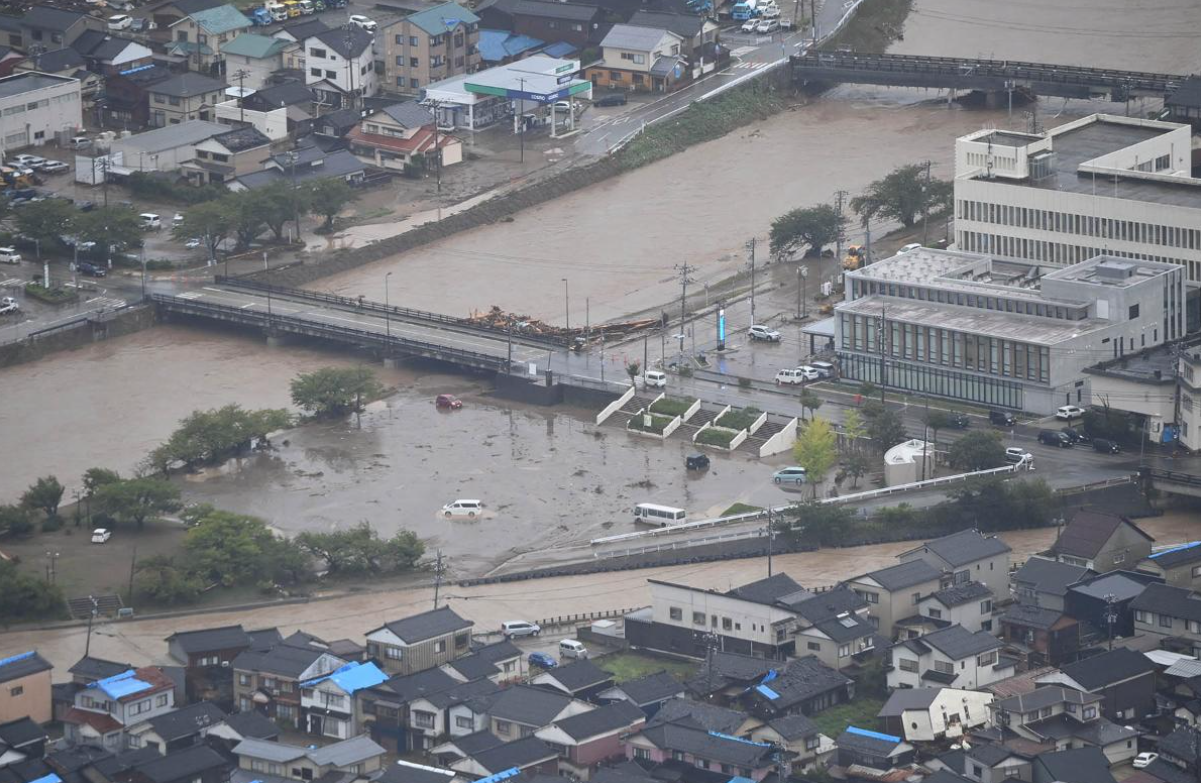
(797,375)
(150,221)
(511,628)
(654,379)
(652,514)
(9,255)
(79,142)
(1106,446)
(826,369)
(571,648)
(1001,418)
(463,508)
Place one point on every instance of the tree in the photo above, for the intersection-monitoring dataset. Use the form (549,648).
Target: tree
(46,220)
(902,196)
(209,222)
(111,228)
(819,523)
(1105,422)
(632,370)
(15,521)
(360,550)
(857,466)
(139,499)
(247,213)
(228,548)
(867,390)
(212,435)
(816,451)
(814,227)
(886,429)
(95,478)
(405,549)
(335,390)
(977,451)
(327,197)
(853,429)
(938,420)
(45,494)
(810,401)
(25,597)
(161,580)
(281,203)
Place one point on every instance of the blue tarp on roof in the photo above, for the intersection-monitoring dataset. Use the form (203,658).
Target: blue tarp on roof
(51,778)
(1176,549)
(499,776)
(15,658)
(719,735)
(872,734)
(498,45)
(560,49)
(352,677)
(768,692)
(121,685)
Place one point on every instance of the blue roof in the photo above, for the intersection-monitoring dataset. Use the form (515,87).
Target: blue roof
(768,692)
(51,778)
(499,776)
(873,734)
(1176,549)
(719,735)
(15,658)
(120,685)
(220,19)
(560,49)
(497,45)
(442,18)
(352,677)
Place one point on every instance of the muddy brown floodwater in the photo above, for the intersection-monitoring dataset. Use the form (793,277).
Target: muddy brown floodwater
(617,242)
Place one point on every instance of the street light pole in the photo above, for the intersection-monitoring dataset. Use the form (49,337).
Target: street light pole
(387,308)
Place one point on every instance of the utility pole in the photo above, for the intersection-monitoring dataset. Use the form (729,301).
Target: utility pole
(926,207)
(1110,617)
(439,569)
(685,270)
(133,566)
(350,64)
(87,645)
(882,329)
(241,77)
(867,243)
(813,19)
(771,534)
(645,352)
(839,198)
(752,281)
(521,117)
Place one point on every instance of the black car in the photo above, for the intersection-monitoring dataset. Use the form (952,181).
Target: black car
(696,461)
(1001,418)
(613,99)
(1106,446)
(960,421)
(90,269)
(1055,438)
(1077,435)
(84,206)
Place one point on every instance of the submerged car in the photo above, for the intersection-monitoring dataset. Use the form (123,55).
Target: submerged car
(448,401)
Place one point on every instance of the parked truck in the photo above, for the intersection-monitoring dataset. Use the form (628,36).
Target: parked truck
(745,9)
(307,7)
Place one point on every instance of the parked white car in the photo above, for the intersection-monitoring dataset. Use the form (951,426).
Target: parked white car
(9,306)
(760,332)
(358,20)
(770,12)
(9,255)
(1069,412)
(1143,760)
(749,25)
(30,162)
(797,375)
(463,508)
(767,26)
(654,379)
(100,535)
(511,628)
(120,22)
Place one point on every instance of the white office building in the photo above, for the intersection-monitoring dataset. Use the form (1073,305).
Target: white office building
(1102,185)
(969,327)
(34,106)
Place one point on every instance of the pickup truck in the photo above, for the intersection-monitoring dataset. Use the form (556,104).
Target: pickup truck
(9,306)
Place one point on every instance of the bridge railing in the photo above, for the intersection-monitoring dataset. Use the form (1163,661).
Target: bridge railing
(1173,476)
(299,325)
(393,310)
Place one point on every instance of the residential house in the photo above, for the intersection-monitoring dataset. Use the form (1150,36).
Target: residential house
(268,681)
(641,59)
(1104,601)
(166,150)
(10,32)
(701,714)
(356,755)
(589,739)
(1080,765)
(44,28)
(864,748)
(499,47)
(206,654)
(648,693)
(106,710)
(991,763)
(217,646)
(109,55)
(528,755)
(384,709)
(165,13)
(430,717)
(804,685)
(301,31)
(465,746)
(950,656)
(126,103)
(294,97)
(1179,566)
(429,46)
(9,57)
(1066,718)
(798,738)
(1180,751)
(1045,582)
(699,34)
(1172,613)
(239,726)
(969,556)
(251,59)
(226,156)
(702,749)
(1125,678)
(521,710)
(340,67)
(834,626)
(182,728)
(969,604)
(893,593)
(935,714)
(499,662)
(328,704)
(401,136)
(408,772)
(581,679)
(1043,636)
(1102,542)
(183,97)
(198,764)
(25,687)
(577,24)
(337,124)
(296,167)
(201,36)
(422,641)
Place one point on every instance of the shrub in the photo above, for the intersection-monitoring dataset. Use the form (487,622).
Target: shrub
(658,423)
(685,371)
(50,295)
(738,418)
(712,437)
(744,383)
(154,187)
(672,406)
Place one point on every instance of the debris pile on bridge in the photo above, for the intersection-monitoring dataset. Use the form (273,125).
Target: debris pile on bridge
(497,318)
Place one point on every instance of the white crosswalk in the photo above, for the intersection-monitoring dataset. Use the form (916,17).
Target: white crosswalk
(750,66)
(106,302)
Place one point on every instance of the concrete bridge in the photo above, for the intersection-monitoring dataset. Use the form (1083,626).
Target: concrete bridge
(1172,481)
(988,76)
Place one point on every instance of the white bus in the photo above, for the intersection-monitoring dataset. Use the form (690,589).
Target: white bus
(651,514)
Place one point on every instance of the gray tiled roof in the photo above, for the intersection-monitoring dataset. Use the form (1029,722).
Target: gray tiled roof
(575,12)
(186,721)
(966,546)
(47,18)
(903,575)
(283,659)
(1046,696)
(409,114)
(1088,531)
(908,699)
(684,25)
(1031,616)
(1049,576)
(635,39)
(97,668)
(1121,585)
(1189,553)
(1081,765)
(707,745)
(188,763)
(958,595)
(701,715)
(529,705)
(22,665)
(652,688)
(519,753)
(347,752)
(1171,601)
(802,678)
(579,675)
(1108,667)
(188,84)
(427,625)
(793,727)
(956,642)
(348,43)
(768,590)
(252,725)
(871,745)
(619,715)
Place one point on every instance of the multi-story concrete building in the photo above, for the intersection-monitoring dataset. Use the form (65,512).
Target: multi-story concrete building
(1101,185)
(34,106)
(970,327)
(430,46)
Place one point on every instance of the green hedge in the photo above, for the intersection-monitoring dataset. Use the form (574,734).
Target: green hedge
(672,406)
(658,423)
(739,418)
(159,188)
(712,437)
(50,295)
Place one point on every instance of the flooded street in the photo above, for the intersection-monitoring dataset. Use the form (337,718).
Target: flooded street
(617,242)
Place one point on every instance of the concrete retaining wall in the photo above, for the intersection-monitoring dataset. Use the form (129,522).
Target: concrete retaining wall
(521,389)
(614,406)
(783,440)
(86,332)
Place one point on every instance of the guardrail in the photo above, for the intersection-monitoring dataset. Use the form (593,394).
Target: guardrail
(328,331)
(1173,476)
(392,310)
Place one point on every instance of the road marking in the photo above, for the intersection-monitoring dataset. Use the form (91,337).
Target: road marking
(741,50)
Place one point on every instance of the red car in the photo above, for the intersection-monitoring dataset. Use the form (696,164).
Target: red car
(448,401)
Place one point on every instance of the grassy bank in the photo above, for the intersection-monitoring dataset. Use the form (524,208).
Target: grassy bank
(703,122)
(875,26)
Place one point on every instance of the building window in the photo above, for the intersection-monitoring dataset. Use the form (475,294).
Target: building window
(1133,311)
(844,650)
(944,667)
(1165,621)
(675,613)
(414,62)
(16,690)
(464,722)
(315,72)
(331,74)
(414,83)
(987,659)
(642,753)
(935,613)
(614,76)
(698,618)
(160,700)
(985,607)
(727,624)
(815,646)
(412,40)
(503,727)
(908,665)
(159,99)
(243,679)
(423,720)
(320,53)
(393,653)
(1090,713)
